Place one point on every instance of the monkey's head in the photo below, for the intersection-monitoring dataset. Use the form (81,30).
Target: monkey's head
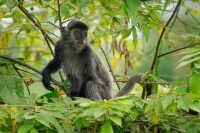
(78,32)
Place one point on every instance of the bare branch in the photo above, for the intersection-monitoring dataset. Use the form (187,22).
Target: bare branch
(162,33)
(110,67)
(177,50)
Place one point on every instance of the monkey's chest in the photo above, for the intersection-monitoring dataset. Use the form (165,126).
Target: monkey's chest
(76,67)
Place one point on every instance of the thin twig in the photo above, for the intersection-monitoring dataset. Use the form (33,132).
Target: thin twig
(28,72)
(16,69)
(32,68)
(162,33)
(59,16)
(50,7)
(110,67)
(177,50)
(36,22)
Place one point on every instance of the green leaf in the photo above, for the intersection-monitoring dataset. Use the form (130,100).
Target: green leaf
(107,128)
(195,106)
(3,114)
(167,101)
(25,128)
(126,34)
(135,36)
(184,102)
(118,20)
(115,119)
(187,62)
(182,89)
(43,120)
(175,83)
(194,81)
(10,83)
(133,5)
(64,10)
(189,56)
(99,113)
(145,31)
(33,130)
(90,111)
(133,113)
(51,113)
(2,83)
(79,124)
(166,126)
(106,6)
(83,4)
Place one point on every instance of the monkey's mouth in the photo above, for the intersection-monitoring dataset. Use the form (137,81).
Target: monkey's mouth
(80,43)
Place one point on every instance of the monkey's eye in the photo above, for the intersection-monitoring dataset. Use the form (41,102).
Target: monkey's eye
(85,33)
(78,32)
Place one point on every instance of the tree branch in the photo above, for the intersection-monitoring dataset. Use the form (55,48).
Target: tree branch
(110,67)
(162,33)
(177,50)
(37,24)
(32,68)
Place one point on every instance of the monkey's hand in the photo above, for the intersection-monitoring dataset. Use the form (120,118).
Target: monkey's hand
(50,88)
(72,94)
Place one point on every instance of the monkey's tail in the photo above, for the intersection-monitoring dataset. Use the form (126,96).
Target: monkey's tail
(129,85)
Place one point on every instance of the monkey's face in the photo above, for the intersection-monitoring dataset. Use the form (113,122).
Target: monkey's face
(79,36)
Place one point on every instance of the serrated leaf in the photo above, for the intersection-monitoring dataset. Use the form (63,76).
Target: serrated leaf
(25,128)
(115,119)
(184,102)
(107,128)
(167,101)
(194,81)
(145,31)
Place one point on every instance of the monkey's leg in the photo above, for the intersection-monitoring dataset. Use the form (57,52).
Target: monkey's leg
(96,91)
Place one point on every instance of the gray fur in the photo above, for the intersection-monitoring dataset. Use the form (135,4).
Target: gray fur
(85,70)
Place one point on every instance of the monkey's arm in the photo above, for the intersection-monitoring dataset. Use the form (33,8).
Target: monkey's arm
(53,66)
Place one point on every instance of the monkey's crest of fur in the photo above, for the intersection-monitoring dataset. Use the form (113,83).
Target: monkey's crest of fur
(74,23)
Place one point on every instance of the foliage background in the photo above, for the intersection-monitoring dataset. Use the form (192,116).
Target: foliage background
(128,32)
